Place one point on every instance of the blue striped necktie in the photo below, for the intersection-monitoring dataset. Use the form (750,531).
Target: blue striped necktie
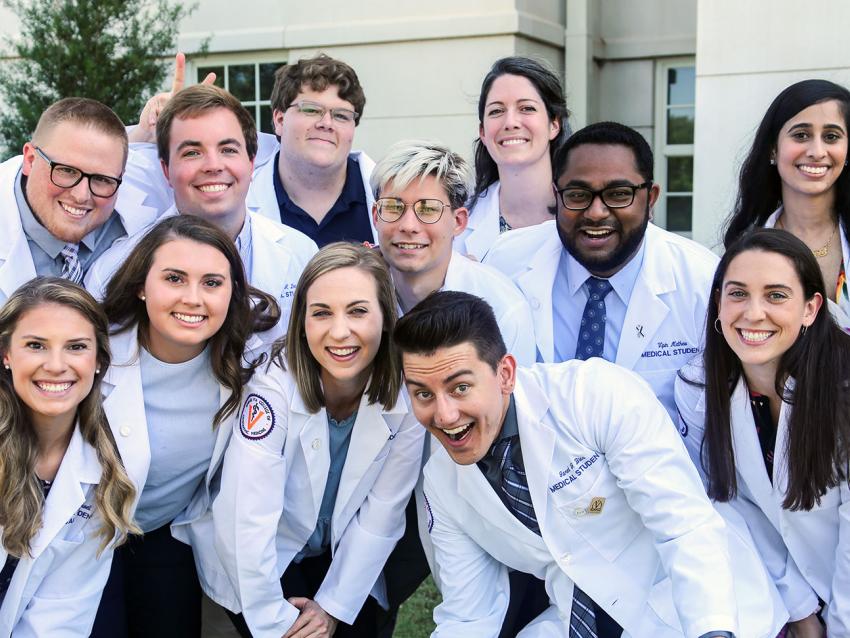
(72,270)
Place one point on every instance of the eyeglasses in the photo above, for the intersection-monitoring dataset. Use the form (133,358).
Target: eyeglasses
(428,211)
(578,198)
(317,111)
(65,176)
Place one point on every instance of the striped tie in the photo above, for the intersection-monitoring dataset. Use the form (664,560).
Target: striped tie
(518,499)
(71,269)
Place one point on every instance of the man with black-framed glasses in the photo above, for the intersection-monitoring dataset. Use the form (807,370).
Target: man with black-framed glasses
(58,199)
(602,281)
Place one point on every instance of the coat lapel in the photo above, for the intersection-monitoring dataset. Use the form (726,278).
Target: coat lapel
(79,469)
(646,310)
(314,436)
(536,284)
(484,224)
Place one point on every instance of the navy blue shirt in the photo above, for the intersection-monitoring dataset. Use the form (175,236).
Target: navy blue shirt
(347,220)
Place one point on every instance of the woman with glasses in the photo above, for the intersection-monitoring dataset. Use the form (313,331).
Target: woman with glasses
(522,120)
(795,178)
(181,312)
(65,497)
(765,416)
(324,457)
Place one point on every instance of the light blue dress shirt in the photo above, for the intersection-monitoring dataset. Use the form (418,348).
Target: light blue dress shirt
(569,296)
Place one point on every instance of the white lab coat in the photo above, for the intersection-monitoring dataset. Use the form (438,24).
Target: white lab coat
(16,263)
(278,254)
(840,309)
(806,552)
(262,196)
(656,557)
(125,408)
(56,591)
(482,229)
(272,487)
(511,309)
(665,322)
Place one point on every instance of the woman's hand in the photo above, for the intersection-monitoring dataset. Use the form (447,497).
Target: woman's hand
(808,627)
(313,621)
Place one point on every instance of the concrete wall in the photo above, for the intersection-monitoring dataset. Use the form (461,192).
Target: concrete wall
(747,52)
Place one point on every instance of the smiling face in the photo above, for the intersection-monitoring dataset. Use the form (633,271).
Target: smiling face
(604,239)
(408,245)
(319,143)
(516,129)
(53,357)
(762,309)
(209,168)
(187,294)
(459,398)
(344,326)
(69,214)
(811,150)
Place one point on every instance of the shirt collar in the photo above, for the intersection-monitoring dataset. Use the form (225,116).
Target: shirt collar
(623,281)
(510,428)
(243,239)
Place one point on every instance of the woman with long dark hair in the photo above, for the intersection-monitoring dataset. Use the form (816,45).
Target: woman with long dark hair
(324,457)
(65,497)
(795,178)
(181,313)
(522,121)
(765,414)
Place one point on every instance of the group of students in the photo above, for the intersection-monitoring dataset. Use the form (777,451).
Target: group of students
(302,434)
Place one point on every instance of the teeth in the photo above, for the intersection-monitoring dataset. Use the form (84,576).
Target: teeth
(343,352)
(54,387)
(512,142)
(212,188)
(189,318)
(756,335)
(410,246)
(814,170)
(458,433)
(598,232)
(72,210)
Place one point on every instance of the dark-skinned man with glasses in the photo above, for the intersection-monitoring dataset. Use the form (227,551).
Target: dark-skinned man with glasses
(58,199)
(603,281)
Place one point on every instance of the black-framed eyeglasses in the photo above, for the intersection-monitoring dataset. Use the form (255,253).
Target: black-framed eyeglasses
(428,211)
(317,111)
(580,198)
(65,176)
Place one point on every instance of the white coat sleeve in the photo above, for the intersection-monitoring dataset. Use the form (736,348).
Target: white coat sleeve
(374,530)
(475,585)
(66,601)
(838,620)
(646,455)
(247,511)
(797,595)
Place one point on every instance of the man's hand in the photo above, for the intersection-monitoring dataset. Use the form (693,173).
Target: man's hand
(313,622)
(808,627)
(146,130)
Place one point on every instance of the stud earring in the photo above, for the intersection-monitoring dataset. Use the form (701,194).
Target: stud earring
(6,365)
(97,371)
(773,161)
(142,297)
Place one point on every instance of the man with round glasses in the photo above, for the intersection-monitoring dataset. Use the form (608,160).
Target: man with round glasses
(58,198)
(601,280)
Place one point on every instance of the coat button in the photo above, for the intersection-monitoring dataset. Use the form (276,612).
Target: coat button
(566,558)
(125,431)
(317,443)
(535,303)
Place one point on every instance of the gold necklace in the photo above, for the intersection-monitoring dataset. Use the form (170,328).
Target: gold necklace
(823,251)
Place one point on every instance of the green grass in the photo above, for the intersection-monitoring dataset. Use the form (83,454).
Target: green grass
(416,615)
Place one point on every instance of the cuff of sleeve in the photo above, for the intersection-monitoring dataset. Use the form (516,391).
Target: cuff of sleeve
(805,609)
(336,610)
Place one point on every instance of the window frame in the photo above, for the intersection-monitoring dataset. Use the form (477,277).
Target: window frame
(663,150)
(255,59)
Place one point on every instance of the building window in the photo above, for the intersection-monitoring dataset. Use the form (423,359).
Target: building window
(251,83)
(674,144)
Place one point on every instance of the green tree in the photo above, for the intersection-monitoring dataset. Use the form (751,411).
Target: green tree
(113,51)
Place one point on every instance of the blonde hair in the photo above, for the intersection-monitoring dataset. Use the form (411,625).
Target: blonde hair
(21,496)
(386,368)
